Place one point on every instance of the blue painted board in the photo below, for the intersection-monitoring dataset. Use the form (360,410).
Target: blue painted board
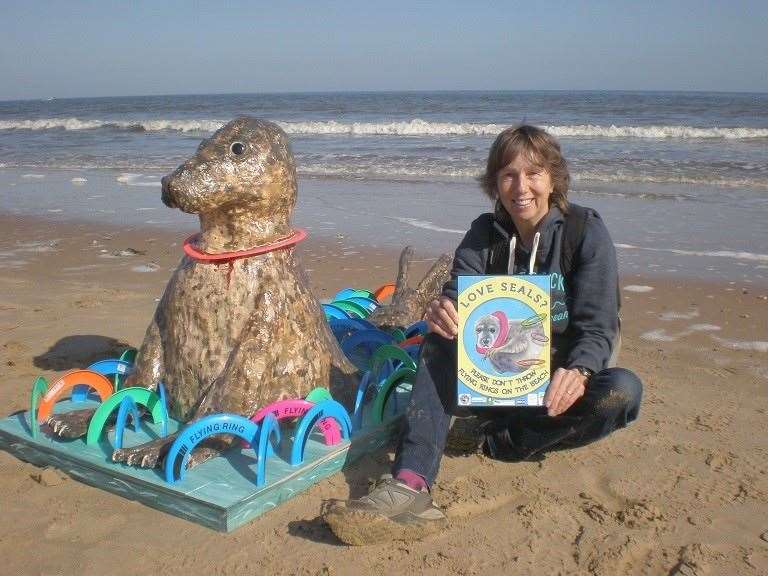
(220,493)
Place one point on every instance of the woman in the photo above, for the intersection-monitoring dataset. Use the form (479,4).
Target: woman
(527,178)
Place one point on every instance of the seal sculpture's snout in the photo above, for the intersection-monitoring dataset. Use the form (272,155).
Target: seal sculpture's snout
(167,195)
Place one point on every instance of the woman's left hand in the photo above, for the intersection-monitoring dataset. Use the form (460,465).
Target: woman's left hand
(565,387)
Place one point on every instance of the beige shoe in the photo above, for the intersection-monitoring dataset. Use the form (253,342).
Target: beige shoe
(391,511)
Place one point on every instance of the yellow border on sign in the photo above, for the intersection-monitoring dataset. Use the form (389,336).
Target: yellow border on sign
(497,385)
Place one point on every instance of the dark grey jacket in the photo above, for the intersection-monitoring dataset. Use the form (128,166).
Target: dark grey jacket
(584,305)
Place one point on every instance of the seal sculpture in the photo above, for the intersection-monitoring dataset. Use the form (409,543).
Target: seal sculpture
(237,327)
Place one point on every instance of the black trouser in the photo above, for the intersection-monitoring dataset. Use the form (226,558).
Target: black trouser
(612,401)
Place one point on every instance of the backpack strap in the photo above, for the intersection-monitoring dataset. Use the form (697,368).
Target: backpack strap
(572,238)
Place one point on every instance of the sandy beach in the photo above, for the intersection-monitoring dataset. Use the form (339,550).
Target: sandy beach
(684,490)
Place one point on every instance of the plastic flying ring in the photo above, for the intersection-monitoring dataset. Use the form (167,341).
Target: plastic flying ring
(362,388)
(332,311)
(352,293)
(67,382)
(398,377)
(412,340)
(322,411)
(283,409)
(384,292)
(39,388)
(269,428)
(164,404)
(129,355)
(397,334)
(197,431)
(127,406)
(105,368)
(318,395)
(413,351)
(141,396)
(353,310)
(368,303)
(417,328)
(390,352)
(369,338)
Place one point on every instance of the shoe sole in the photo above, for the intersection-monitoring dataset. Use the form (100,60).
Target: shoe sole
(361,528)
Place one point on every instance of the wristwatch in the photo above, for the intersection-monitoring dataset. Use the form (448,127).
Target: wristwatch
(586,372)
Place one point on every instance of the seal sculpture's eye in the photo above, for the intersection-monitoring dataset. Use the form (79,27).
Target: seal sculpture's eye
(237,148)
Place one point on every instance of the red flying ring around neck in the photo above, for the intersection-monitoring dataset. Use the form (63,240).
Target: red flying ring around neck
(286,242)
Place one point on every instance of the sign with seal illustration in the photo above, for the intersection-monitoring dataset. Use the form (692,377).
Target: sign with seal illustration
(504,340)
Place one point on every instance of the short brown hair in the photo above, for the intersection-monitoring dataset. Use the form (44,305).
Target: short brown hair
(540,148)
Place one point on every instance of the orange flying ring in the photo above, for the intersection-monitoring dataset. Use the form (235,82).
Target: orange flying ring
(384,292)
(416,340)
(64,384)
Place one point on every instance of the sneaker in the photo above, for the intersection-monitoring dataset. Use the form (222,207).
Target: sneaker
(391,511)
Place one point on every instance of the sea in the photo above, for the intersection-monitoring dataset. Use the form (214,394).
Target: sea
(680,178)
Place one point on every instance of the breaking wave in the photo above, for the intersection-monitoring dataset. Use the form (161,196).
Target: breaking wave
(731,254)
(414,127)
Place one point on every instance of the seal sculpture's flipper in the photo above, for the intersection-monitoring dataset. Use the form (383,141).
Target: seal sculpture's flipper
(408,305)
(73,424)
(147,368)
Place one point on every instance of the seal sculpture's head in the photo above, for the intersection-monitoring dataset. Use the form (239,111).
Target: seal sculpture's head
(241,182)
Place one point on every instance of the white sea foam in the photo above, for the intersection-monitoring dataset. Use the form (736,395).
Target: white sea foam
(756,346)
(671,315)
(150,267)
(413,127)
(714,253)
(33,176)
(38,245)
(132,179)
(703,328)
(79,181)
(427,225)
(636,288)
(658,335)
(666,179)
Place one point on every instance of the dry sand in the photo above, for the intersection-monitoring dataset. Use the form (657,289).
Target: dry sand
(684,490)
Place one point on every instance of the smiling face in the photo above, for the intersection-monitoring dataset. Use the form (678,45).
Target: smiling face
(524,189)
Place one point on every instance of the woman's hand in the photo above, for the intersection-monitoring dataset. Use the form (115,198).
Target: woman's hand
(565,387)
(442,318)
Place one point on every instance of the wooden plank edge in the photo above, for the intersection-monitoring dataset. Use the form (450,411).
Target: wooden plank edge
(130,487)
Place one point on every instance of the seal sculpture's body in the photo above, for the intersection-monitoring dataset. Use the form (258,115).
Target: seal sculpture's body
(233,333)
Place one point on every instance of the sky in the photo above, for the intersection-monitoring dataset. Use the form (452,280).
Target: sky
(104,48)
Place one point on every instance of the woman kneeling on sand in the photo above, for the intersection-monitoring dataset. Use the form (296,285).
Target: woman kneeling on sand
(587,399)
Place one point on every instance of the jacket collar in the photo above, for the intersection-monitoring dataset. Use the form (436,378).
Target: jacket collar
(504,224)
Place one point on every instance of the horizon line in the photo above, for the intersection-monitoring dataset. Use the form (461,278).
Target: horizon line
(412,91)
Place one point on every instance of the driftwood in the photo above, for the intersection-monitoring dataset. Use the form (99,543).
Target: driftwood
(408,304)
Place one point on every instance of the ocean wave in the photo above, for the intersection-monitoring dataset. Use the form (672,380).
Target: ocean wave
(703,180)
(361,168)
(128,125)
(730,254)
(414,127)
(427,225)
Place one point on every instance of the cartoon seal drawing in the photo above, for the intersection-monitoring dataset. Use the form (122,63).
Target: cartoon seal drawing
(510,346)
(237,327)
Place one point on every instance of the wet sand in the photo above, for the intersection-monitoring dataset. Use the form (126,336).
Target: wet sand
(684,490)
